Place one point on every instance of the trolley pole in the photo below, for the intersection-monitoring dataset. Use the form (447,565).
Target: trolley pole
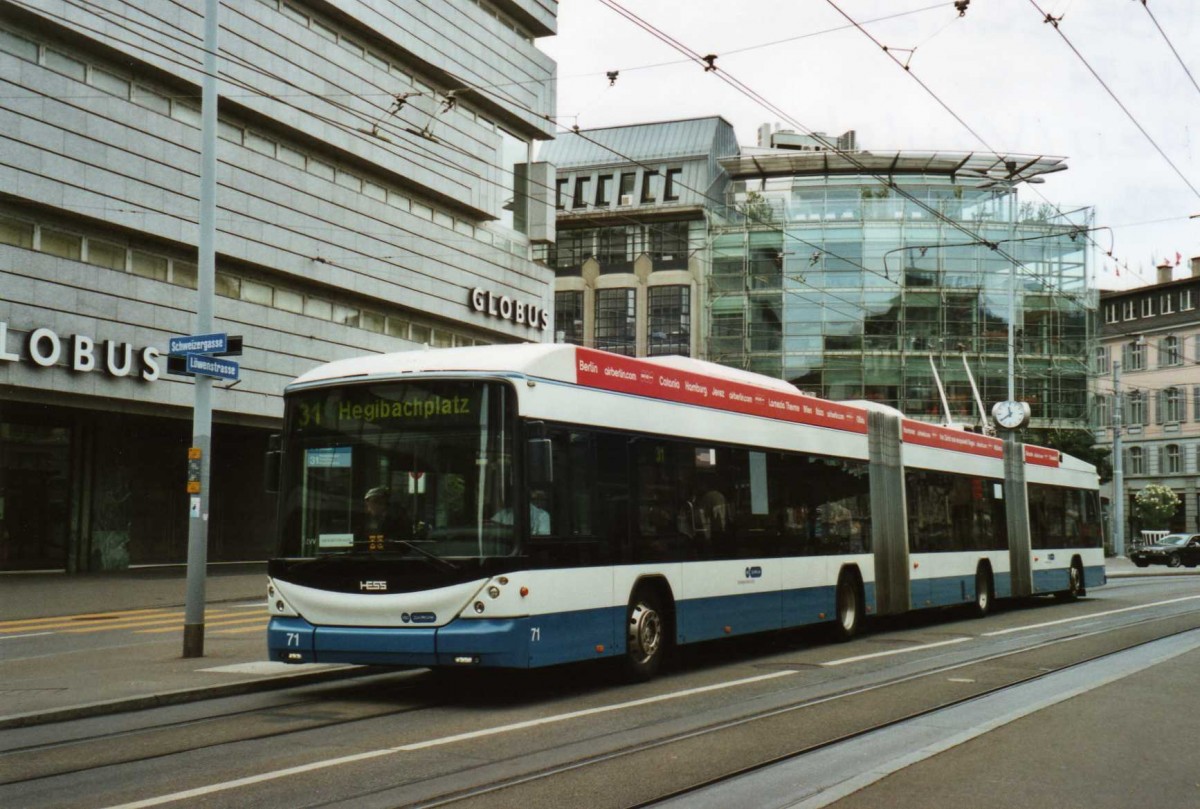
(1118,469)
(197,565)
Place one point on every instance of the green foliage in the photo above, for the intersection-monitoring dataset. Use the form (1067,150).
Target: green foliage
(757,209)
(1155,505)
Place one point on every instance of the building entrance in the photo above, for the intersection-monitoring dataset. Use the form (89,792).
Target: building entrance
(34,496)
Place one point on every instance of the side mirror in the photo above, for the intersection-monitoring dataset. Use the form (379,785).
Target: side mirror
(539,456)
(271,467)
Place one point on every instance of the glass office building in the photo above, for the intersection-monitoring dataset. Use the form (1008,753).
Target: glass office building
(855,274)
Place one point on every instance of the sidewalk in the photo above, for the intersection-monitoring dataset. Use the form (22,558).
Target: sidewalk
(150,670)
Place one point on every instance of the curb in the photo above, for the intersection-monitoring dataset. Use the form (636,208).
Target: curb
(181,697)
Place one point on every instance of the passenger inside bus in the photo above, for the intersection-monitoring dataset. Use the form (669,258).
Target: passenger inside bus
(539,518)
(383,518)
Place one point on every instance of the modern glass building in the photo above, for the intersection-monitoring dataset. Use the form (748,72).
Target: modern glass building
(855,274)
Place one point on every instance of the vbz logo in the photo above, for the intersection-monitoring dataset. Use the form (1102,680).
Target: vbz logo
(754,572)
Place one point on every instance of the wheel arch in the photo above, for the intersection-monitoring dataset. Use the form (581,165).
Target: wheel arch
(657,583)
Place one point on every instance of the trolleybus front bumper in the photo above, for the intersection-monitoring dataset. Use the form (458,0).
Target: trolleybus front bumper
(480,642)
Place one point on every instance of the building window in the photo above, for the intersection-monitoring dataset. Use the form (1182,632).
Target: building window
(1147,307)
(60,243)
(582,184)
(560,190)
(1166,304)
(671,189)
(669,245)
(570,251)
(613,252)
(1135,409)
(604,190)
(1196,403)
(1137,461)
(1168,352)
(616,321)
(1185,300)
(16,232)
(1102,411)
(670,320)
(1128,310)
(568,317)
(148,265)
(1133,356)
(1110,313)
(1170,462)
(1171,406)
(1103,353)
(626,193)
(105,254)
(650,182)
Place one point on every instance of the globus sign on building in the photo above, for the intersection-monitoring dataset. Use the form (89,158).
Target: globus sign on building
(45,348)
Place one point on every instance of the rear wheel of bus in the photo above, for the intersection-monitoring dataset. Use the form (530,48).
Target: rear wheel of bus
(850,607)
(646,633)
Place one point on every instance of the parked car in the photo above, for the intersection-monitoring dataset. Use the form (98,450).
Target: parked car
(1172,550)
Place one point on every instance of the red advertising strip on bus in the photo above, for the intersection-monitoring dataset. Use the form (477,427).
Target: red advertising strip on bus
(930,435)
(628,375)
(1042,456)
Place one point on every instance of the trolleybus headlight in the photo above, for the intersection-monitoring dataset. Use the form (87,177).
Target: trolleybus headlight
(479,606)
(279,605)
(494,591)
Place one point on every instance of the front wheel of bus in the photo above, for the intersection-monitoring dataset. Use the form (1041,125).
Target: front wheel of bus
(849,608)
(645,636)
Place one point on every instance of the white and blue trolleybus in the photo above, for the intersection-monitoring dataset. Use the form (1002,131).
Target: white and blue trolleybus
(530,505)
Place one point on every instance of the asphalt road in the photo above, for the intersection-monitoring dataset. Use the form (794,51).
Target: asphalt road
(570,737)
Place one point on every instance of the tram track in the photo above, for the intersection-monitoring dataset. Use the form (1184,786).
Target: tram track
(445,790)
(43,760)
(858,700)
(706,735)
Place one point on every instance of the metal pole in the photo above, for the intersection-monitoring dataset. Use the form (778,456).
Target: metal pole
(1012,296)
(197,565)
(1118,468)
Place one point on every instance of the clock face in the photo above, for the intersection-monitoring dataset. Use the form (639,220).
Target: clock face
(1010,414)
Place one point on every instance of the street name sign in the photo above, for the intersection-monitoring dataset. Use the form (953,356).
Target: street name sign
(211,366)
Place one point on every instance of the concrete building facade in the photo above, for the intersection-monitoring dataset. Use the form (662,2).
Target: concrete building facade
(375,193)
(1153,334)
(634,209)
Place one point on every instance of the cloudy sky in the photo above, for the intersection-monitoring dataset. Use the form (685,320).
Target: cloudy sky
(1013,81)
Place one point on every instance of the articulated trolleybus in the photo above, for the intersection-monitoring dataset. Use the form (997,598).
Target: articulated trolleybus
(529,505)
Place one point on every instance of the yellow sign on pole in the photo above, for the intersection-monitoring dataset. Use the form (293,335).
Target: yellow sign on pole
(193,471)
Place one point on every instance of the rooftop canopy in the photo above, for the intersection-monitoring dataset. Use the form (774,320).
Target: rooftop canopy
(971,167)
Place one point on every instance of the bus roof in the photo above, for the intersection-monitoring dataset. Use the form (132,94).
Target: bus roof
(555,361)
(673,378)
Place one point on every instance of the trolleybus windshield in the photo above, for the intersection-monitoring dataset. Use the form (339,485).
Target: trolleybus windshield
(399,470)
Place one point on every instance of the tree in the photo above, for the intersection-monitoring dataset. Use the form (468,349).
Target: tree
(1155,505)
(757,209)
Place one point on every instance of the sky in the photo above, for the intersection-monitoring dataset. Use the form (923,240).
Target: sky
(999,79)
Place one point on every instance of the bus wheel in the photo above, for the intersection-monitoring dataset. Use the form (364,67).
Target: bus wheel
(1074,583)
(645,635)
(849,608)
(983,592)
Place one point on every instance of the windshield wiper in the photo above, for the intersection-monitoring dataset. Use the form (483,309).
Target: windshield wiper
(428,554)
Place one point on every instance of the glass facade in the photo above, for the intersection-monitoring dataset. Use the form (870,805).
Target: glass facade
(847,288)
